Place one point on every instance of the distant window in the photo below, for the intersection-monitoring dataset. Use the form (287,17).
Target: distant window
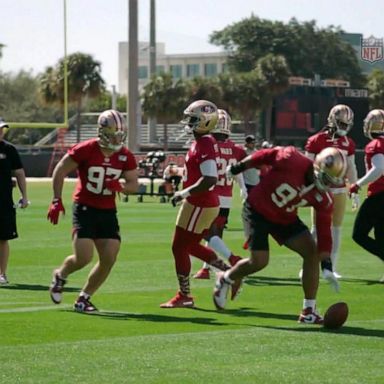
(160,69)
(143,72)
(176,71)
(210,70)
(193,70)
(224,68)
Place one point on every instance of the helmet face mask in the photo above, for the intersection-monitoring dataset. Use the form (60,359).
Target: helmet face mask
(200,117)
(374,124)
(340,119)
(224,123)
(330,166)
(112,130)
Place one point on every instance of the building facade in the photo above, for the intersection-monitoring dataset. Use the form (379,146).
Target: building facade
(185,66)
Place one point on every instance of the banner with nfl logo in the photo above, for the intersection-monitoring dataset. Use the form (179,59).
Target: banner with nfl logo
(372,49)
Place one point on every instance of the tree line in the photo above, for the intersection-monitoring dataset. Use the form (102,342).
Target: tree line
(262,54)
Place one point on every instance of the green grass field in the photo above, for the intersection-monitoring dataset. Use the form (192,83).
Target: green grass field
(256,340)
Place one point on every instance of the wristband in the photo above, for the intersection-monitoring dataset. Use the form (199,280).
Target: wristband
(237,168)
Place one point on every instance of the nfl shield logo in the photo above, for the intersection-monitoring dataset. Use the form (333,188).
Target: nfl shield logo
(372,49)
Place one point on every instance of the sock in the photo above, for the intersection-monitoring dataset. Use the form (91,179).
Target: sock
(184,284)
(326,264)
(313,232)
(205,265)
(309,304)
(227,278)
(85,295)
(218,245)
(220,265)
(336,236)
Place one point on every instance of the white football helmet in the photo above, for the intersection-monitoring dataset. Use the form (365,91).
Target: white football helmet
(112,129)
(374,123)
(340,119)
(330,166)
(224,123)
(200,117)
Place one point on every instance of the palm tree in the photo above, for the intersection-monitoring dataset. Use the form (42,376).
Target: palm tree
(84,81)
(164,99)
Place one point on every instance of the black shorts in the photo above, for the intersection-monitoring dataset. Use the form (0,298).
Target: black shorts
(93,223)
(8,230)
(262,227)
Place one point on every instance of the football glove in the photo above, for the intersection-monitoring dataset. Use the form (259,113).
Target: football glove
(179,196)
(354,188)
(54,210)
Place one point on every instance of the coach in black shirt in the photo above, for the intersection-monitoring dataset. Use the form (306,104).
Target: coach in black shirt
(10,165)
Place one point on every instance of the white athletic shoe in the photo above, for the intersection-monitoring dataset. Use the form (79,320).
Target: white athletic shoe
(330,277)
(337,275)
(381,280)
(3,279)
(220,291)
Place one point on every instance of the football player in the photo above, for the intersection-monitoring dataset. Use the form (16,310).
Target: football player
(100,163)
(200,201)
(292,181)
(371,213)
(229,153)
(334,134)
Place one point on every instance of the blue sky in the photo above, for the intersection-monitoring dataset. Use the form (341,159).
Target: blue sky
(32,30)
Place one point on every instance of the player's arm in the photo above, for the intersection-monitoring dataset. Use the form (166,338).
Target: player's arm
(22,184)
(131,183)
(255,160)
(351,173)
(208,180)
(376,171)
(63,168)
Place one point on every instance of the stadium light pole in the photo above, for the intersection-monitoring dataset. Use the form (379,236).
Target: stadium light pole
(132,95)
(152,65)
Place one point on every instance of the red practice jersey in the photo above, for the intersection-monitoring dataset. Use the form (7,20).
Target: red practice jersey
(202,149)
(229,154)
(373,148)
(94,168)
(319,141)
(283,190)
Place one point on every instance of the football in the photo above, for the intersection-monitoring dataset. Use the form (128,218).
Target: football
(336,315)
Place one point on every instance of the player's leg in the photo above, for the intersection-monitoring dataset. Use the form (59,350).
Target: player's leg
(191,223)
(216,242)
(8,231)
(364,222)
(4,256)
(106,237)
(259,258)
(305,246)
(340,200)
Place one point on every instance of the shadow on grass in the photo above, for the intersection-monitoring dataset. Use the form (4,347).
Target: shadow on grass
(275,281)
(35,287)
(345,330)
(153,317)
(248,312)
(361,281)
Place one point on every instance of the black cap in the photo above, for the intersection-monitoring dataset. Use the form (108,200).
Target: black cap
(250,139)
(3,123)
